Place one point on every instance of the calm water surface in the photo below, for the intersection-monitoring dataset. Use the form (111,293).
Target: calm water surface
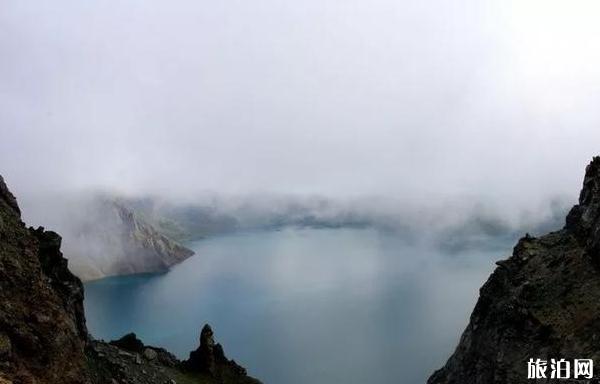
(300,306)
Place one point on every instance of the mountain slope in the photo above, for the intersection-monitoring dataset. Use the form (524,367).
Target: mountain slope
(104,237)
(542,302)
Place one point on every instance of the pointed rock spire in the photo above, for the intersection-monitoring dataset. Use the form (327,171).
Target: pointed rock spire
(210,359)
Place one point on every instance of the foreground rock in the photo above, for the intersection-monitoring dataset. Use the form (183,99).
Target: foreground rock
(129,360)
(43,336)
(542,302)
(209,359)
(42,327)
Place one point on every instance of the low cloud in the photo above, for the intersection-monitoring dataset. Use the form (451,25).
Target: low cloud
(420,101)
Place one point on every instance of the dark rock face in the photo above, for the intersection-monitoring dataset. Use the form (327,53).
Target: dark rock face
(129,360)
(542,302)
(204,358)
(109,364)
(130,343)
(8,198)
(209,359)
(42,326)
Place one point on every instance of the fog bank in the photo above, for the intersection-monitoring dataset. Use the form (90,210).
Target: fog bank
(419,100)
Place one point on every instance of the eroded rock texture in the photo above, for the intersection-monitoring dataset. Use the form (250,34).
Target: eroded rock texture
(42,326)
(542,302)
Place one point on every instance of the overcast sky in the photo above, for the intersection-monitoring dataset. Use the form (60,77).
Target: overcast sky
(380,97)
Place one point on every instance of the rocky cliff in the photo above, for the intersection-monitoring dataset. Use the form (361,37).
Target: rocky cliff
(42,327)
(542,302)
(43,336)
(105,237)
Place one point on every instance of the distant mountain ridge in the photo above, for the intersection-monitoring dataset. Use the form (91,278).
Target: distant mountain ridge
(107,234)
(451,226)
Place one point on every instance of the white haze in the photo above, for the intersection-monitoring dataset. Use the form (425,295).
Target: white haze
(417,100)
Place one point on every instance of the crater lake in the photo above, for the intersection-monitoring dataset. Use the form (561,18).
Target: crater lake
(305,305)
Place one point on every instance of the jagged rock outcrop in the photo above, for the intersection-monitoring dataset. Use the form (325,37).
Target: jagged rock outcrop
(42,326)
(129,360)
(209,359)
(542,302)
(43,336)
(129,342)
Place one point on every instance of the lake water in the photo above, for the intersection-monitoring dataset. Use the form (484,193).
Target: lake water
(299,306)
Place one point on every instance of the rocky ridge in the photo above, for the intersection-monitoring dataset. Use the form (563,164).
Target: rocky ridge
(128,360)
(542,302)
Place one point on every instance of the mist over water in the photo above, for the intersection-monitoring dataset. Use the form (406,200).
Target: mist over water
(427,100)
(306,305)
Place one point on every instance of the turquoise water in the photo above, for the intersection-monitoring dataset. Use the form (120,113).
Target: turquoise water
(299,306)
